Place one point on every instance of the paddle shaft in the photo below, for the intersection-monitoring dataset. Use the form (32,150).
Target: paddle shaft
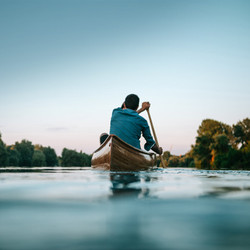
(155,137)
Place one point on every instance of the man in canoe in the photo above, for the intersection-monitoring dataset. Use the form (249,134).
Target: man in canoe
(127,124)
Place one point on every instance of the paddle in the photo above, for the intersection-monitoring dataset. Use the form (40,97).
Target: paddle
(155,137)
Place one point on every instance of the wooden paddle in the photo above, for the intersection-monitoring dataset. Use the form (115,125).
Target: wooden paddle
(155,137)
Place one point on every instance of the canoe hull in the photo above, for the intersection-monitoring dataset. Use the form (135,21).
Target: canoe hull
(116,155)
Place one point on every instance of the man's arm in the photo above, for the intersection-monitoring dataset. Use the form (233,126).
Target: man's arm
(147,134)
(157,150)
(144,106)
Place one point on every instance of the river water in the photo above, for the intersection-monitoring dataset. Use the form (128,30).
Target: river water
(81,208)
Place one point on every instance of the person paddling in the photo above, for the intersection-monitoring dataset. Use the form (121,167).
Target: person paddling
(127,124)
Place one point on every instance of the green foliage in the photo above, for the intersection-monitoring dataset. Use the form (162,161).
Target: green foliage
(246,149)
(221,144)
(202,151)
(166,155)
(38,159)
(210,138)
(220,161)
(220,148)
(174,161)
(26,150)
(238,133)
(182,161)
(241,132)
(14,156)
(217,144)
(3,153)
(212,128)
(87,159)
(246,160)
(26,154)
(187,161)
(233,159)
(73,158)
(51,157)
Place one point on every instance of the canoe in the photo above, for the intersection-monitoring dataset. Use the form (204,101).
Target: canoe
(116,155)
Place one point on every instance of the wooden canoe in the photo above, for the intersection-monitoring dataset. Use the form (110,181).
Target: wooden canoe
(116,155)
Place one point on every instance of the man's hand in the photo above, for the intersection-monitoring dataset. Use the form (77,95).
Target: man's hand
(160,150)
(144,106)
(157,150)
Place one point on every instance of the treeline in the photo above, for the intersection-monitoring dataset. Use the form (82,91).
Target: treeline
(73,158)
(25,154)
(180,161)
(217,146)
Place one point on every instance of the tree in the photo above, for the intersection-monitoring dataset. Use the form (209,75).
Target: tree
(220,148)
(217,145)
(70,158)
(86,159)
(73,158)
(51,157)
(211,128)
(3,153)
(207,131)
(202,151)
(241,132)
(189,159)
(38,159)
(26,150)
(25,154)
(221,144)
(186,161)
(214,140)
(14,156)
(173,161)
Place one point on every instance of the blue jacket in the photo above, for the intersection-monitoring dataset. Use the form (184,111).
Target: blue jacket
(128,125)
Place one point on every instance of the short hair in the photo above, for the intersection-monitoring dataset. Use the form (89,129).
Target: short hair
(132,101)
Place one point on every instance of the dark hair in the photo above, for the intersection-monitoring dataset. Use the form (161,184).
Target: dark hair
(132,102)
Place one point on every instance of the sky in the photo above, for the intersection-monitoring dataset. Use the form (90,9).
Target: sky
(66,64)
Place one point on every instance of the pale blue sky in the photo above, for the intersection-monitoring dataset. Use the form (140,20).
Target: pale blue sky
(64,65)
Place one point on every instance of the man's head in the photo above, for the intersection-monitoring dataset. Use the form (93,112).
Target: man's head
(132,102)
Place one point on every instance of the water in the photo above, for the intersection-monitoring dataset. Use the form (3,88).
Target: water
(81,208)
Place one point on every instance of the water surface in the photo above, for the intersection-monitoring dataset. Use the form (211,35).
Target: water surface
(81,208)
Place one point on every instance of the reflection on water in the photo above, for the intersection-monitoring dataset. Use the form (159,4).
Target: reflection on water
(81,208)
(181,183)
(122,185)
(86,184)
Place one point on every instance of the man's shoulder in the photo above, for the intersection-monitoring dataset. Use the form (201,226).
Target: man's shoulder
(142,120)
(117,110)
(125,111)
